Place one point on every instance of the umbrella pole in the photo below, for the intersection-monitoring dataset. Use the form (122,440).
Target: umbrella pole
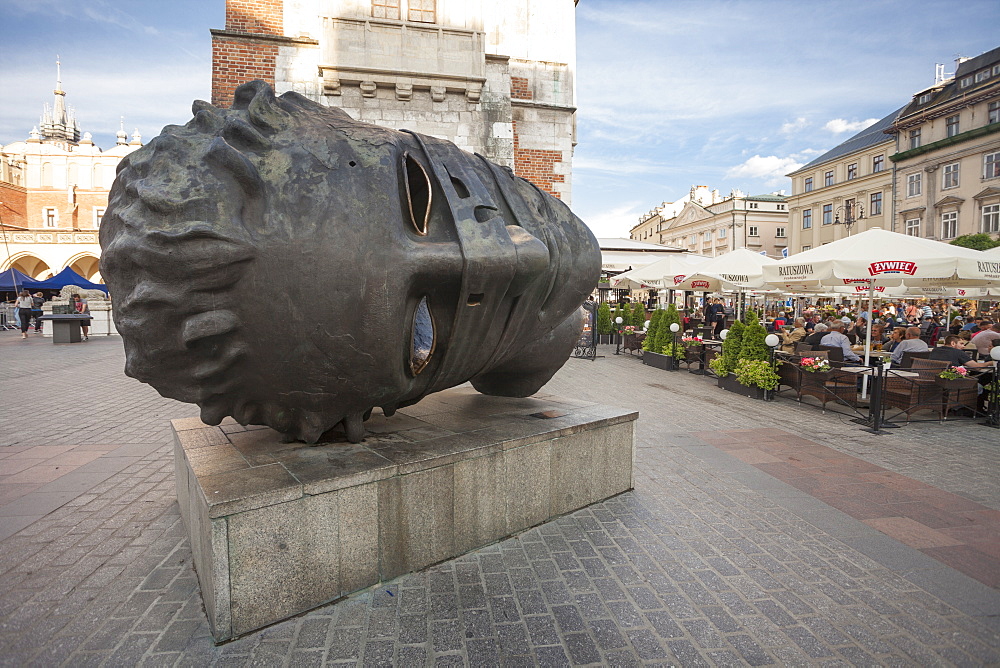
(868,337)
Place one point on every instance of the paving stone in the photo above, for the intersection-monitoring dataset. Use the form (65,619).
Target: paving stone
(708,561)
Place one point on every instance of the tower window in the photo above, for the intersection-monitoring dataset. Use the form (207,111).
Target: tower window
(385,9)
(421,11)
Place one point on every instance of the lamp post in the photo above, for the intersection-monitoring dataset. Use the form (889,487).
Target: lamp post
(618,328)
(849,209)
(674,328)
(772,342)
(993,417)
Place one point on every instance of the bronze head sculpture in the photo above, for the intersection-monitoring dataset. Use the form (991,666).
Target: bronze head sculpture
(286,265)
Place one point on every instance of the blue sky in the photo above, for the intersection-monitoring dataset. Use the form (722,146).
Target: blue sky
(670,93)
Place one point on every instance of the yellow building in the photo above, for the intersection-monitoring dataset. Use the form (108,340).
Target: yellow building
(846,190)
(703,222)
(947,155)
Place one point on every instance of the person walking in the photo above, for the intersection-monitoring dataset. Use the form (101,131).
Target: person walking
(24,305)
(36,310)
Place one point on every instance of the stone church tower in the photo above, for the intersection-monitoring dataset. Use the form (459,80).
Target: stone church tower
(496,78)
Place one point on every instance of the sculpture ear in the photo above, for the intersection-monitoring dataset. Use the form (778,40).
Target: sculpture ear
(418,193)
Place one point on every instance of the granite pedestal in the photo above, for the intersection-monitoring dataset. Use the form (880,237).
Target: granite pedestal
(280,528)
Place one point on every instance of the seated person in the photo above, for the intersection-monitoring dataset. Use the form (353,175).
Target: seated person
(848,330)
(878,333)
(971,324)
(836,338)
(819,331)
(912,343)
(794,336)
(896,337)
(986,337)
(953,353)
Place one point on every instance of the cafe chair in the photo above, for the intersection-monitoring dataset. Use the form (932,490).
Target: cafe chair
(910,394)
(907,361)
(633,342)
(826,386)
(834,353)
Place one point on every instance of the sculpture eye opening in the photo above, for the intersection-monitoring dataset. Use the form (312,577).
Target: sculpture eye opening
(422,340)
(418,193)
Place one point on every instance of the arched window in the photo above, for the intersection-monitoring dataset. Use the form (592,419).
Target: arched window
(46,174)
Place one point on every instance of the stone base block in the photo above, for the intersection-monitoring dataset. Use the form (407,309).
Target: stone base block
(280,528)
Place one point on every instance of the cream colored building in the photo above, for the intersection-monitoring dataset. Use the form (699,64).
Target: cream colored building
(846,190)
(496,78)
(947,155)
(651,223)
(703,222)
(53,192)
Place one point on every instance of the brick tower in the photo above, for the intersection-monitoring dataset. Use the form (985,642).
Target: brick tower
(495,78)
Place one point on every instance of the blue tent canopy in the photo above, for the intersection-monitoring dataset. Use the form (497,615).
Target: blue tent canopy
(12,280)
(69,277)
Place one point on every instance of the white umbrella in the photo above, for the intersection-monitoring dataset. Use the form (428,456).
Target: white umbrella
(879,258)
(660,274)
(736,270)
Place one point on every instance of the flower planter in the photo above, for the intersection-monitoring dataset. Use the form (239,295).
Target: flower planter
(730,384)
(815,379)
(692,354)
(956,383)
(658,361)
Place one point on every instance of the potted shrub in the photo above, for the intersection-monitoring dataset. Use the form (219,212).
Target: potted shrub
(752,345)
(659,332)
(604,322)
(638,315)
(756,377)
(725,364)
(667,340)
(746,359)
(654,324)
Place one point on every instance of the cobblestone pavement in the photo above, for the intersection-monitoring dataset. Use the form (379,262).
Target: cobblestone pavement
(709,561)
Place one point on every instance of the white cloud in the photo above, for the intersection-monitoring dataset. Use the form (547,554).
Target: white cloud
(770,169)
(622,165)
(793,126)
(840,125)
(614,223)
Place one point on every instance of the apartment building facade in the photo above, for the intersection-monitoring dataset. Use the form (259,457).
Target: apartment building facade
(947,155)
(844,191)
(706,223)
